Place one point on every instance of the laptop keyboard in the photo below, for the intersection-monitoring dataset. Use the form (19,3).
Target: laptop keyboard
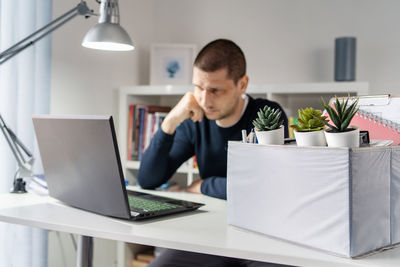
(149,205)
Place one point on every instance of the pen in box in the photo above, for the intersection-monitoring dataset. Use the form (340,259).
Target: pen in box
(244,135)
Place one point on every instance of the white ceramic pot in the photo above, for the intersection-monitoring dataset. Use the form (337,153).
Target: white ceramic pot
(344,139)
(315,138)
(273,137)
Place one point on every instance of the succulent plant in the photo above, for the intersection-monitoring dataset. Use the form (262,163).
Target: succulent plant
(310,120)
(341,115)
(268,119)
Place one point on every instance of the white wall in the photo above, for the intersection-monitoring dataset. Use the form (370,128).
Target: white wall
(284,41)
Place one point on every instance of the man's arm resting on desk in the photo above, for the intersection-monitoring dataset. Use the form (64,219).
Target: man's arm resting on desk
(212,186)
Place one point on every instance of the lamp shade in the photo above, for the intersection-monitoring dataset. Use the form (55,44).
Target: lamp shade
(108,36)
(108,33)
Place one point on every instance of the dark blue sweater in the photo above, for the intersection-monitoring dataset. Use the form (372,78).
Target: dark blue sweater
(204,139)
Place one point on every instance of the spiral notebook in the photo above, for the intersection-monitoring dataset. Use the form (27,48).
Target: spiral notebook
(379,115)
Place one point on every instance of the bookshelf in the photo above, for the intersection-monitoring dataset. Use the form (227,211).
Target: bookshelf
(290,96)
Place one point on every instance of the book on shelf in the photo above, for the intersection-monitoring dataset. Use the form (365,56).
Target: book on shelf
(195,166)
(130,131)
(144,121)
(137,263)
(141,126)
(145,257)
(142,260)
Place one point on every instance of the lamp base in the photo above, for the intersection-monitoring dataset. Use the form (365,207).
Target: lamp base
(19,186)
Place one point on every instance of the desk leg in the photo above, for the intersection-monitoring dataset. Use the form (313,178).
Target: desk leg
(85,251)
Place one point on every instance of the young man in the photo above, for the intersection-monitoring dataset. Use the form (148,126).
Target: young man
(204,121)
(201,124)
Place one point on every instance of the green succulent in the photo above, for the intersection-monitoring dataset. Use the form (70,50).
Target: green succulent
(341,115)
(310,120)
(268,119)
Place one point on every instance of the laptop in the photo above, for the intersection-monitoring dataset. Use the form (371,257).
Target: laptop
(83,169)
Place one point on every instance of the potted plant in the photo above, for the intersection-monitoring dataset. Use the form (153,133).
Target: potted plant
(268,126)
(309,130)
(341,134)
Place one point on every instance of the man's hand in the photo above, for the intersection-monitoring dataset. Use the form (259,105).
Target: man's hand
(195,187)
(186,108)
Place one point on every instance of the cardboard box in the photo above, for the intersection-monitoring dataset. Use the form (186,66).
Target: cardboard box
(341,200)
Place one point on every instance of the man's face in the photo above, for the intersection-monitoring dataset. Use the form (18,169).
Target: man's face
(216,94)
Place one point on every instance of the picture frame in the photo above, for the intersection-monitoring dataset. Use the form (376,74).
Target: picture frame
(171,64)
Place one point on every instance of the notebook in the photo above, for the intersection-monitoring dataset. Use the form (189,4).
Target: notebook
(379,115)
(83,169)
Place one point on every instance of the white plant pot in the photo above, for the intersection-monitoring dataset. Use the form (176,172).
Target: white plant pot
(315,138)
(273,137)
(344,139)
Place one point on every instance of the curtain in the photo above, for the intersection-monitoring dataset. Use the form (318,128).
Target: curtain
(24,90)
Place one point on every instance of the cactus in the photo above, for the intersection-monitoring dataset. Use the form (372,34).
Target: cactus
(341,115)
(268,119)
(310,120)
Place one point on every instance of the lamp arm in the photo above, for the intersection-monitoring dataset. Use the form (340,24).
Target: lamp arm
(19,144)
(24,165)
(13,143)
(80,9)
(16,50)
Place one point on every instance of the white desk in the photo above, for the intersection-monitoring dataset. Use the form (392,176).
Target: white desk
(204,231)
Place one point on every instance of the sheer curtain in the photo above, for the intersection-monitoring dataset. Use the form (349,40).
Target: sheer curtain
(24,90)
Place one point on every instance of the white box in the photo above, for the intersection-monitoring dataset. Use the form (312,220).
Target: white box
(339,200)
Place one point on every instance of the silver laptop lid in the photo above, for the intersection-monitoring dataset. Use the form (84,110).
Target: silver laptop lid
(81,162)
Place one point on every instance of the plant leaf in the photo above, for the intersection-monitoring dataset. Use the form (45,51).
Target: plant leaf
(260,114)
(273,126)
(345,105)
(349,110)
(328,124)
(338,108)
(346,123)
(257,125)
(334,117)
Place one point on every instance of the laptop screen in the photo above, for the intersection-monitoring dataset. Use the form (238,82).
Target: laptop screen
(81,162)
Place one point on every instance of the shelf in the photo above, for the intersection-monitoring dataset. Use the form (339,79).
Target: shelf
(156,90)
(173,90)
(135,165)
(361,88)
(283,88)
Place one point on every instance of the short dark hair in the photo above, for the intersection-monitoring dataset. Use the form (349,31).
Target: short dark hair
(220,54)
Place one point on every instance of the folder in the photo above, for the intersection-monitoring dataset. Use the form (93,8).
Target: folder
(379,115)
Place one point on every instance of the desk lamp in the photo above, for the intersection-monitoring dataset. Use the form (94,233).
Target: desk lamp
(106,35)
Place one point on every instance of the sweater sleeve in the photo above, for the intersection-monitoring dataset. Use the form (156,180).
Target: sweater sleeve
(214,187)
(164,156)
